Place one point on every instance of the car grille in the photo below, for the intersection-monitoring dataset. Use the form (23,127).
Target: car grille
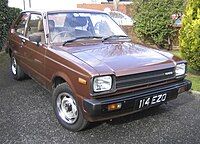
(145,78)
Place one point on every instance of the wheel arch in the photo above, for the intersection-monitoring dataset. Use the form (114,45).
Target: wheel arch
(10,52)
(60,78)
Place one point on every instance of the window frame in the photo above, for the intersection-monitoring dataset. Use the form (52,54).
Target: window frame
(26,34)
(44,25)
(19,19)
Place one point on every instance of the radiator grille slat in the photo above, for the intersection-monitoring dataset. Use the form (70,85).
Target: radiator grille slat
(146,78)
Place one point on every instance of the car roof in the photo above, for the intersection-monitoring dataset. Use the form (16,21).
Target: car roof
(62,10)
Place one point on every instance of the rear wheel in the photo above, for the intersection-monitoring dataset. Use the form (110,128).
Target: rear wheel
(17,72)
(67,109)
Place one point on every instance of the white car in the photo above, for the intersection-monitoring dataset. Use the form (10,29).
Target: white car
(121,19)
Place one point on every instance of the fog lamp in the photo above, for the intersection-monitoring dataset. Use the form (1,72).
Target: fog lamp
(114,106)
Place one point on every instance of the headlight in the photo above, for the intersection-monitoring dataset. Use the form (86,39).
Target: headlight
(180,69)
(103,83)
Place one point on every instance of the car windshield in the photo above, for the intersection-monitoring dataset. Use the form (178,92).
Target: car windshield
(68,26)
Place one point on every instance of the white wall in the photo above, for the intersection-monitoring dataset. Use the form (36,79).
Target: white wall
(44,4)
(15,3)
(50,4)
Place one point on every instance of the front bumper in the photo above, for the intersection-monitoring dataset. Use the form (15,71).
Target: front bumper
(96,109)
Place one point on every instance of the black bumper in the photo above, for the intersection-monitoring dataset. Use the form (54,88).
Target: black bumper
(96,109)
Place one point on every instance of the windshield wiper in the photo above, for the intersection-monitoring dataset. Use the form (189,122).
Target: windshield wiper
(115,36)
(84,37)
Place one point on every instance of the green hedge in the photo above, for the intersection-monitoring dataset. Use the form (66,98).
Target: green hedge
(7,15)
(189,39)
(153,20)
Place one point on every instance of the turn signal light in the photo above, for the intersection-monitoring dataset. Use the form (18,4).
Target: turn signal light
(82,81)
(115,106)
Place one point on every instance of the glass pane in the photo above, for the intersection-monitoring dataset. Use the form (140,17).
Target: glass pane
(35,27)
(20,26)
(66,26)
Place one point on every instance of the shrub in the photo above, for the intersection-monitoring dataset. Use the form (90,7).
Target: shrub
(3,19)
(153,20)
(189,39)
(7,15)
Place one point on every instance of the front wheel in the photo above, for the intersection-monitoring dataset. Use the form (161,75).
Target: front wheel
(67,110)
(17,72)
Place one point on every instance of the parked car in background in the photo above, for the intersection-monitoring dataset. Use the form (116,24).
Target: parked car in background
(90,66)
(121,19)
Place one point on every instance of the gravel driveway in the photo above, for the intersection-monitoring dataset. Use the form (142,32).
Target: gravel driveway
(26,116)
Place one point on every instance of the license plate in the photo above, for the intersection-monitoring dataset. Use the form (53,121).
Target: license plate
(152,100)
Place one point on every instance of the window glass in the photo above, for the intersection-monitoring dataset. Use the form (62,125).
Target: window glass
(59,19)
(20,26)
(65,26)
(35,27)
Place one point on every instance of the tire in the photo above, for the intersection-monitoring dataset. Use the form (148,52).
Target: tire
(17,72)
(67,110)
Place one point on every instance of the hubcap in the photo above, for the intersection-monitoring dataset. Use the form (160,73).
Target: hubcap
(67,108)
(14,66)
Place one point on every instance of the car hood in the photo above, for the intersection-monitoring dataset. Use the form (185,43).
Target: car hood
(121,58)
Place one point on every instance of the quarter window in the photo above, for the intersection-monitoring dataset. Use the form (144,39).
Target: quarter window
(21,24)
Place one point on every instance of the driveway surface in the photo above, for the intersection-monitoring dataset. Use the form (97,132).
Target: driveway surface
(26,116)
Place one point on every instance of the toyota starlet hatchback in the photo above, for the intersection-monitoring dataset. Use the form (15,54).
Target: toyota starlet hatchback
(91,67)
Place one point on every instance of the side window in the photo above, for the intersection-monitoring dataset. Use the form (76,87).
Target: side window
(35,27)
(21,24)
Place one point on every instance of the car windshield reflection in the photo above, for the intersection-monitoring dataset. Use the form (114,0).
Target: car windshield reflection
(64,27)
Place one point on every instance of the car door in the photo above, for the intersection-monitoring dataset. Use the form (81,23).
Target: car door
(17,38)
(34,52)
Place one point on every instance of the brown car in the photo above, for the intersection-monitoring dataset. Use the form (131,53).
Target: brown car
(89,64)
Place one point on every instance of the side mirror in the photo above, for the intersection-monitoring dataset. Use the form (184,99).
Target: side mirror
(36,39)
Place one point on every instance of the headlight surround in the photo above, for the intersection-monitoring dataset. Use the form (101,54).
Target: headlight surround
(102,83)
(180,69)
